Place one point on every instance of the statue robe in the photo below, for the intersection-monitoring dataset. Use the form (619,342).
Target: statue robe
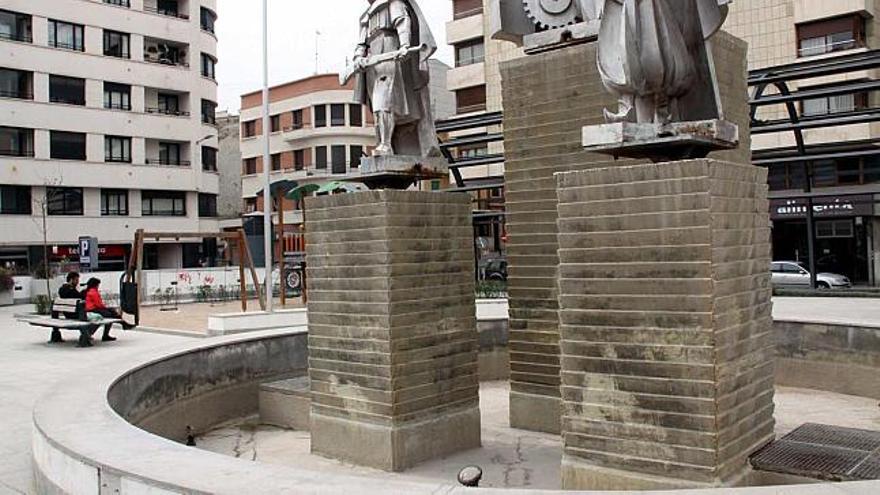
(657,49)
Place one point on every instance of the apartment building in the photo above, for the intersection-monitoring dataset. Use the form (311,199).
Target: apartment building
(318,134)
(845,188)
(779,32)
(107,126)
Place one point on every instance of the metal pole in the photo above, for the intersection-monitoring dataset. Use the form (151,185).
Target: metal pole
(811,224)
(267,162)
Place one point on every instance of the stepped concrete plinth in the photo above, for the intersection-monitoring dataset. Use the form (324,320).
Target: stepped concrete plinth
(392,327)
(666,336)
(548,99)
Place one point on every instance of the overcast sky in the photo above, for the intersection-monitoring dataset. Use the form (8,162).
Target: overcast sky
(292,35)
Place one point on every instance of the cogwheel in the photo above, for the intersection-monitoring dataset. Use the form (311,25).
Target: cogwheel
(550,14)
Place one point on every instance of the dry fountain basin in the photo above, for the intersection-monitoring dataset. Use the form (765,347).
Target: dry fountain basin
(123,428)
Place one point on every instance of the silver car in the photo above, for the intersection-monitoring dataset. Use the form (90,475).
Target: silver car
(792,274)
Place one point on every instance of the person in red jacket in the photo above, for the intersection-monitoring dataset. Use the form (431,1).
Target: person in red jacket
(95,304)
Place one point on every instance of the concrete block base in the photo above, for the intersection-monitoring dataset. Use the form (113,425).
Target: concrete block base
(580,475)
(395,448)
(286,403)
(535,412)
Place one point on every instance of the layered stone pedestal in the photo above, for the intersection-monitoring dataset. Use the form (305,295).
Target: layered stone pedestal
(392,327)
(548,99)
(665,324)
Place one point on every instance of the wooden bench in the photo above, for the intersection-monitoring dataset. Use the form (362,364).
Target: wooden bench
(70,314)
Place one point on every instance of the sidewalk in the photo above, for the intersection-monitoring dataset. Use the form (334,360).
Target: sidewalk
(28,369)
(835,310)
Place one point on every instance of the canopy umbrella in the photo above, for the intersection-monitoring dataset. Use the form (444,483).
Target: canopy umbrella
(345,187)
(279,187)
(300,192)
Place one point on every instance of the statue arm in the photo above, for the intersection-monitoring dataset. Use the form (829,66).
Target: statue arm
(402,21)
(361,49)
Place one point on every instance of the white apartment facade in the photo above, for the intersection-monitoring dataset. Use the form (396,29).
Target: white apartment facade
(107,121)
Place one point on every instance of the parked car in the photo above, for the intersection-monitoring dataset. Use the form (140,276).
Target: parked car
(792,274)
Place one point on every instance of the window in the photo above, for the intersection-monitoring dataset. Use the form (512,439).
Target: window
(249,128)
(69,90)
(117,44)
(16,84)
(299,159)
(357,152)
(66,35)
(162,52)
(114,203)
(209,111)
(356,115)
(469,52)
(15,26)
(337,156)
(208,66)
(298,119)
(831,35)
(163,204)
(250,166)
(168,103)
(169,154)
(466,8)
(167,7)
(207,20)
(337,115)
(472,152)
(117,96)
(207,205)
(321,157)
(250,205)
(834,104)
(470,99)
(275,123)
(209,159)
(276,162)
(117,149)
(64,201)
(321,116)
(67,145)
(16,141)
(834,229)
(15,200)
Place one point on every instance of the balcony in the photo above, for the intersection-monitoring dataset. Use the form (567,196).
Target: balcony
(168,8)
(119,3)
(18,153)
(168,162)
(165,52)
(19,94)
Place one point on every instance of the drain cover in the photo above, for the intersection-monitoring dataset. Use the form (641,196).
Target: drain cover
(823,452)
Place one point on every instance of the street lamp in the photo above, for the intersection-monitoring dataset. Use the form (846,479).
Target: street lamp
(267,159)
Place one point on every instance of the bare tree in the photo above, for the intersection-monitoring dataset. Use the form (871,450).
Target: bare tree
(42,205)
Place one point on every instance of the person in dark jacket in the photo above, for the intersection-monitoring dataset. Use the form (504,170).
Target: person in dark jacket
(70,290)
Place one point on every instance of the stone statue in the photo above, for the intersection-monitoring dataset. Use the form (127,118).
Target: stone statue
(391,76)
(653,56)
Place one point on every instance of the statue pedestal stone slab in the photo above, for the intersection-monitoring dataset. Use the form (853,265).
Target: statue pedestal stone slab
(666,336)
(392,327)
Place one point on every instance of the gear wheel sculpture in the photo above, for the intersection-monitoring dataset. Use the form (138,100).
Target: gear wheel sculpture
(550,14)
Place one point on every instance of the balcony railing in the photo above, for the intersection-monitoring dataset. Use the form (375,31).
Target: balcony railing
(165,12)
(25,38)
(117,106)
(165,111)
(77,47)
(119,3)
(837,46)
(22,95)
(67,101)
(18,153)
(467,13)
(165,61)
(296,127)
(167,162)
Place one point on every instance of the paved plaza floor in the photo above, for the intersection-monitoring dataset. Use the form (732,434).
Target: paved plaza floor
(28,369)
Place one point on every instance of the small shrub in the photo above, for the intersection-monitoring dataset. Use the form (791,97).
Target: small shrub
(491,289)
(7,283)
(43,304)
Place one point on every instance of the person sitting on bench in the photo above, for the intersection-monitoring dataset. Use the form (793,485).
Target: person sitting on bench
(70,290)
(95,304)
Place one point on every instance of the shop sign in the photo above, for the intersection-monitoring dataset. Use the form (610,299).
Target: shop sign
(826,207)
